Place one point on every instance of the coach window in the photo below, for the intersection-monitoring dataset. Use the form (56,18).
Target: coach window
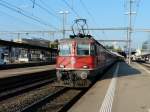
(83,49)
(65,49)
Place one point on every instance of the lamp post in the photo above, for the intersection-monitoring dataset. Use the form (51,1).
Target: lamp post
(64,13)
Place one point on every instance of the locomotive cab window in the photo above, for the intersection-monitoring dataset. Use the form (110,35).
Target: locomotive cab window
(83,49)
(64,49)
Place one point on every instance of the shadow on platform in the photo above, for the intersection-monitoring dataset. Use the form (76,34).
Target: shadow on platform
(124,70)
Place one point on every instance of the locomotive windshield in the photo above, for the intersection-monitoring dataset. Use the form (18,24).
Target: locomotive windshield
(65,49)
(83,49)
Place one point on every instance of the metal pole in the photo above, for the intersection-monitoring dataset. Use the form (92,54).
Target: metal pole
(127,48)
(64,13)
(18,36)
(64,25)
(130,30)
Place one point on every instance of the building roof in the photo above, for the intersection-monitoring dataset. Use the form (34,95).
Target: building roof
(24,45)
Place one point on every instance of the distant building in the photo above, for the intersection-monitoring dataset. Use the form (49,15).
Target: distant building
(146,47)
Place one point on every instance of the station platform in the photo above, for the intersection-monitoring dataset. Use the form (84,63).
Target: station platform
(124,88)
(24,65)
(28,70)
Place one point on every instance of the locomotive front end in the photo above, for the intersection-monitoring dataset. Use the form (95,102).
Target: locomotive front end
(74,63)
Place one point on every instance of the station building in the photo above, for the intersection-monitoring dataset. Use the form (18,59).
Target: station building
(23,53)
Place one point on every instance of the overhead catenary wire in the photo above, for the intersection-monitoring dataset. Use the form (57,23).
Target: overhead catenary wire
(88,12)
(19,19)
(44,4)
(137,10)
(24,13)
(33,3)
(138,3)
(73,10)
(125,11)
(45,9)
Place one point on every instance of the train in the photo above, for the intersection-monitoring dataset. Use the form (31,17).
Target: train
(81,58)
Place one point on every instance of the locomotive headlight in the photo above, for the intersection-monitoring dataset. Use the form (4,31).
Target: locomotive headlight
(73,60)
(62,66)
(83,75)
(85,66)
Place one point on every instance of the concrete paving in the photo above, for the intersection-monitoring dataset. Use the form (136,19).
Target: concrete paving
(131,92)
(28,70)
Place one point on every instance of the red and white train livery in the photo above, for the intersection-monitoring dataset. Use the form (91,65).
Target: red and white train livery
(80,59)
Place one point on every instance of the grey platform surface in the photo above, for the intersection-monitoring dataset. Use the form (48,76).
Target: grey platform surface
(20,71)
(132,93)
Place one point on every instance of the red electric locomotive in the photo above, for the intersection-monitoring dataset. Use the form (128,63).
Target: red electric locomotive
(80,59)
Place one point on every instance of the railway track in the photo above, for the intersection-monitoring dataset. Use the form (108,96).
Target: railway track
(147,65)
(12,82)
(17,84)
(26,96)
(58,101)
(35,105)
(22,89)
(40,94)
(41,97)
(49,99)
(21,100)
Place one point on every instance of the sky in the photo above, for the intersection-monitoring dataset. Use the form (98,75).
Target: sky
(99,14)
